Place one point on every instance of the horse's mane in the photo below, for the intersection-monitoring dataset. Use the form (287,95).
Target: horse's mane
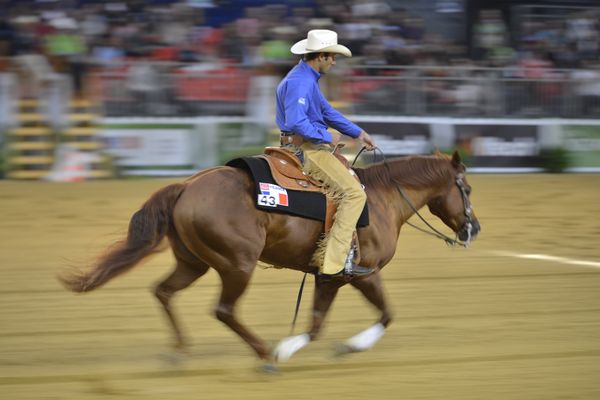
(413,172)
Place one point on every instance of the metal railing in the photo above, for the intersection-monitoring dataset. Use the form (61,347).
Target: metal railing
(473,92)
(171,90)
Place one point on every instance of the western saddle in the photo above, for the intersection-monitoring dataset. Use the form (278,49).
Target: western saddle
(287,172)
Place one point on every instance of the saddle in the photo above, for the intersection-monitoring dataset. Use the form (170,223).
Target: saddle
(286,169)
(287,172)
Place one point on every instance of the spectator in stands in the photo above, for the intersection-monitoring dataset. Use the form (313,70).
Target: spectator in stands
(231,47)
(143,83)
(108,51)
(66,48)
(588,88)
(33,67)
(7,39)
(275,50)
(584,31)
(490,33)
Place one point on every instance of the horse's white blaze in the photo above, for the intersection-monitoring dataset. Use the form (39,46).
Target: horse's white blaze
(288,346)
(366,339)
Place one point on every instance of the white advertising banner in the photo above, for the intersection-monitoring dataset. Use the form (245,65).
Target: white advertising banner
(149,147)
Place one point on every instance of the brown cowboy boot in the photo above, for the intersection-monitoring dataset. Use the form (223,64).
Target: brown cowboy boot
(350,271)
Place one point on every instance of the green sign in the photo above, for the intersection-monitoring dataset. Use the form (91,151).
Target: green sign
(583,142)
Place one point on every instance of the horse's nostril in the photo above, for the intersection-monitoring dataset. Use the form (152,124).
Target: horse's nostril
(476,228)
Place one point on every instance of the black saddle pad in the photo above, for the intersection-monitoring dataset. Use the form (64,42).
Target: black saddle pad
(271,197)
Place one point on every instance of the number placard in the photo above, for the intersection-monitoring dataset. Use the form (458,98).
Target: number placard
(272,195)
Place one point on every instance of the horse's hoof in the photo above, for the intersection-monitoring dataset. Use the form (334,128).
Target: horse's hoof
(269,368)
(181,349)
(287,347)
(342,349)
(173,358)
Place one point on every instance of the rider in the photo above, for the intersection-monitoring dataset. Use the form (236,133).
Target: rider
(303,115)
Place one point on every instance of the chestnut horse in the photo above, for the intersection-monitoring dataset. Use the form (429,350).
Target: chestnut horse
(211,221)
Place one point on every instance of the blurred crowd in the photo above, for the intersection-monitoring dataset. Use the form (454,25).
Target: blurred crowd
(74,37)
(566,41)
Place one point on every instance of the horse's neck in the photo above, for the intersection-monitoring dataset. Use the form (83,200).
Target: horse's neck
(419,178)
(418,195)
(418,198)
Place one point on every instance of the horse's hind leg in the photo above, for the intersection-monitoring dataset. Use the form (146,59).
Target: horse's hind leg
(185,274)
(372,288)
(235,282)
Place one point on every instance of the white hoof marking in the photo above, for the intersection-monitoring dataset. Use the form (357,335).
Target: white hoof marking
(290,345)
(365,339)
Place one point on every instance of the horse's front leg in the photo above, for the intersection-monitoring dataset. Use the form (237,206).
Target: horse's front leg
(324,294)
(372,288)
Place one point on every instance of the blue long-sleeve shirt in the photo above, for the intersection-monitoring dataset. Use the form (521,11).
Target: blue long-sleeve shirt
(302,108)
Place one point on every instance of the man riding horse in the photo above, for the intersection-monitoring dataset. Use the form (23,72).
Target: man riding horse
(212,220)
(303,115)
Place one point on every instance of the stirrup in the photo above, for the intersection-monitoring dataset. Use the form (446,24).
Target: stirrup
(347,274)
(350,271)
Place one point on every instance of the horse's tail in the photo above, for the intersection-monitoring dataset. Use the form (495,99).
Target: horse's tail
(147,228)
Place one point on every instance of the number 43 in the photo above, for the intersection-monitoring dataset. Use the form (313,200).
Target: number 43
(267,200)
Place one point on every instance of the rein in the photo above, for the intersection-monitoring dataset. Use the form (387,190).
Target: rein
(298,300)
(449,241)
(434,232)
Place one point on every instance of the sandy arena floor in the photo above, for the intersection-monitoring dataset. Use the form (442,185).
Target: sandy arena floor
(481,323)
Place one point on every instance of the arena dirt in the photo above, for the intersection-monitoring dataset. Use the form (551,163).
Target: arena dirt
(469,324)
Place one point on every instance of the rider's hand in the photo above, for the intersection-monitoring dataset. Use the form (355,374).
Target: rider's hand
(366,140)
(335,138)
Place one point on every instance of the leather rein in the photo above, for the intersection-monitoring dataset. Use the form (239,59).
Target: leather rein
(468,209)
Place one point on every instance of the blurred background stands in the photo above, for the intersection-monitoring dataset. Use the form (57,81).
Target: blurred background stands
(165,58)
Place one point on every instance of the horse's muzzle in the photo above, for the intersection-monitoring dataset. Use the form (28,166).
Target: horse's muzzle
(469,231)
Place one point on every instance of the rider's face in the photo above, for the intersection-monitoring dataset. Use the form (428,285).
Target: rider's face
(326,62)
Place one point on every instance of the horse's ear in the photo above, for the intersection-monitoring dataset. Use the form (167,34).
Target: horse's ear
(456,161)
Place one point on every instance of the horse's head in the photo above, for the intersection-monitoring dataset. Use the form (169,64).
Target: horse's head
(453,205)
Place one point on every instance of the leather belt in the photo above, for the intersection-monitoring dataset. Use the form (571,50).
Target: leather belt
(290,139)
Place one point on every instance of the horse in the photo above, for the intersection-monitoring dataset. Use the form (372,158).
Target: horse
(211,221)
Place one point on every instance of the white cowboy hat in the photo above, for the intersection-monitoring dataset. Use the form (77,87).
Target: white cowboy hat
(320,40)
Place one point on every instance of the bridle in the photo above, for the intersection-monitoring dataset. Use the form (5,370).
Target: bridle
(468,213)
(468,209)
